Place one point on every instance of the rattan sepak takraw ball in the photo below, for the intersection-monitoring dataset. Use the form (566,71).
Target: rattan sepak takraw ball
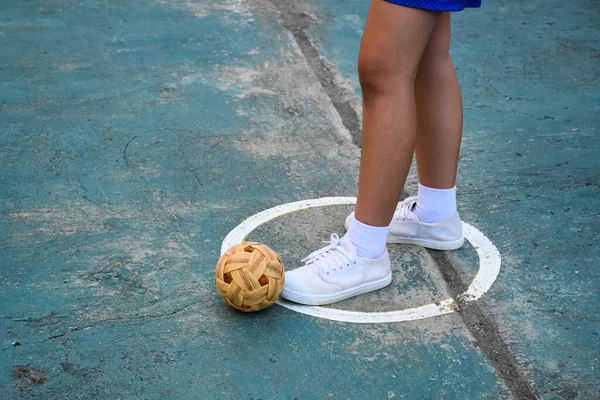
(249,276)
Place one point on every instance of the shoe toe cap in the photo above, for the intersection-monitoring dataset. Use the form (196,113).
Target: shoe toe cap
(297,281)
(305,280)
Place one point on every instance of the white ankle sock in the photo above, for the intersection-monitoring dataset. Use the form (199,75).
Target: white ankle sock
(435,205)
(368,240)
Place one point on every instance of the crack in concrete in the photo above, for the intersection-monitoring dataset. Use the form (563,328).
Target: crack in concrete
(485,330)
(577,316)
(297,22)
(141,317)
(34,320)
(124,157)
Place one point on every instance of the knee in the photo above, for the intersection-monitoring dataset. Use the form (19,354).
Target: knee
(379,75)
(437,53)
(434,57)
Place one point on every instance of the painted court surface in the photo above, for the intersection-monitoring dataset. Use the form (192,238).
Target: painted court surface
(136,135)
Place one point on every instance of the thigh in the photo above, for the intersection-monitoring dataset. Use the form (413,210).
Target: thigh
(394,39)
(439,42)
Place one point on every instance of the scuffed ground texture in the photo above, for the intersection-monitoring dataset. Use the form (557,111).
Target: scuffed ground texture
(135,135)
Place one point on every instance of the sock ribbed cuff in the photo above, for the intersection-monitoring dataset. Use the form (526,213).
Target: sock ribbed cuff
(435,205)
(368,240)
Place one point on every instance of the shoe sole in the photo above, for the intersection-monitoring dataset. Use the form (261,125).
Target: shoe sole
(322,299)
(430,244)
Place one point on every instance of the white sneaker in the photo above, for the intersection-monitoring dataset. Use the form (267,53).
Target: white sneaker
(335,273)
(406,228)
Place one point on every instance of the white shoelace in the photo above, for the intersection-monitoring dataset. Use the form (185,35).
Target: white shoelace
(331,257)
(405,207)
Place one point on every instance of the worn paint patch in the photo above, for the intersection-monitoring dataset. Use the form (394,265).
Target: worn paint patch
(75,217)
(29,375)
(202,9)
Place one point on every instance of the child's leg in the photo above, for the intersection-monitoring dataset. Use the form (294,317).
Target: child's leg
(393,43)
(439,127)
(439,112)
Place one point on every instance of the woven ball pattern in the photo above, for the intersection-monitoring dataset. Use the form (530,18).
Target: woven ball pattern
(249,276)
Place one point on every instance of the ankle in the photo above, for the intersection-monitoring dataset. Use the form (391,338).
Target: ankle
(368,240)
(435,205)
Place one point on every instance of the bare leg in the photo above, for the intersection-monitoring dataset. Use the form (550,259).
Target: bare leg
(393,43)
(439,112)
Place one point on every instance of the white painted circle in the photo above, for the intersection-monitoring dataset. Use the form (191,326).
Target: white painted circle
(489,268)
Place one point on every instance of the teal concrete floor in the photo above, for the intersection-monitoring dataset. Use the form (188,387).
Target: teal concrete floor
(135,135)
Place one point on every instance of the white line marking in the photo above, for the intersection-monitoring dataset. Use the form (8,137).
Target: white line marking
(489,268)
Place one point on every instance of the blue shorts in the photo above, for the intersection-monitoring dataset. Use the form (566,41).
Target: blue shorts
(438,5)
